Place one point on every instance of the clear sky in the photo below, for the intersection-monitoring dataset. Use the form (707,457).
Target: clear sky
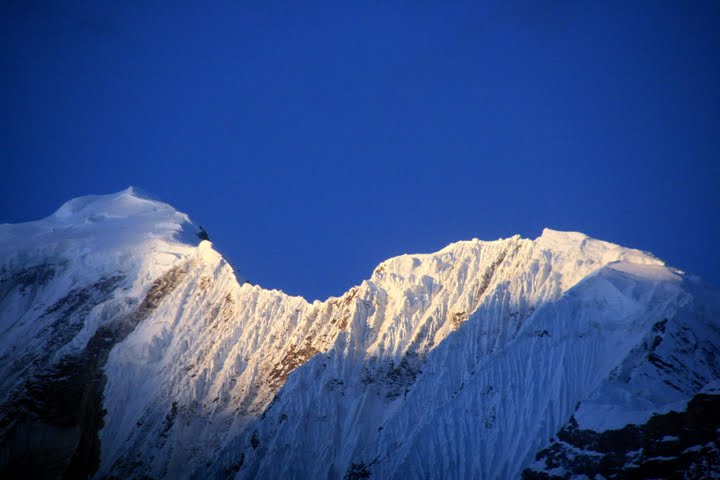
(313,142)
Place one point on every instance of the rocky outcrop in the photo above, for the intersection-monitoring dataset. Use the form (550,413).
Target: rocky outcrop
(61,401)
(674,445)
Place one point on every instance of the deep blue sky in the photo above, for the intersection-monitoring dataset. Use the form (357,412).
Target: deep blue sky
(313,142)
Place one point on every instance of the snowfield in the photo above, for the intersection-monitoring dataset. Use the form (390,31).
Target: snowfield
(463,363)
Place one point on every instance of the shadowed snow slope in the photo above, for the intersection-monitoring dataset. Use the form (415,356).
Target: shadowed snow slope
(457,364)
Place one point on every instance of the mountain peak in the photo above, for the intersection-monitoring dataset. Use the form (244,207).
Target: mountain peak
(559,235)
(106,231)
(123,204)
(600,249)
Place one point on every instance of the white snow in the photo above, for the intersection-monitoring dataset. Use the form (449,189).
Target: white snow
(86,240)
(658,273)
(101,233)
(455,364)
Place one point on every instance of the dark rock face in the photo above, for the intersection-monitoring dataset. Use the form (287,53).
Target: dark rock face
(49,425)
(55,405)
(357,471)
(682,445)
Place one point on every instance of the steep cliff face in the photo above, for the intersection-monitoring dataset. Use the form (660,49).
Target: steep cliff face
(656,413)
(71,287)
(461,363)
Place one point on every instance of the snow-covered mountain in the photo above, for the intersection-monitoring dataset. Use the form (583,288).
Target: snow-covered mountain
(130,350)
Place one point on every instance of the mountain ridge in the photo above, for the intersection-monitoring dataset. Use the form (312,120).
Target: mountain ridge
(204,375)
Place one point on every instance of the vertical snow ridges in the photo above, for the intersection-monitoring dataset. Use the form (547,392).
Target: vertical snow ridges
(462,362)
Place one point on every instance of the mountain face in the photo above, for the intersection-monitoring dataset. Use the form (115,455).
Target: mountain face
(130,350)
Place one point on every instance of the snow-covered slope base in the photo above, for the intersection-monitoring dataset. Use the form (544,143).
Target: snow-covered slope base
(127,350)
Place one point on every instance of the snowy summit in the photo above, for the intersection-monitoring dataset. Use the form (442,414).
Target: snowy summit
(129,348)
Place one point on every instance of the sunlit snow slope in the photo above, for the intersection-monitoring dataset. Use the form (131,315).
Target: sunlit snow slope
(129,350)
